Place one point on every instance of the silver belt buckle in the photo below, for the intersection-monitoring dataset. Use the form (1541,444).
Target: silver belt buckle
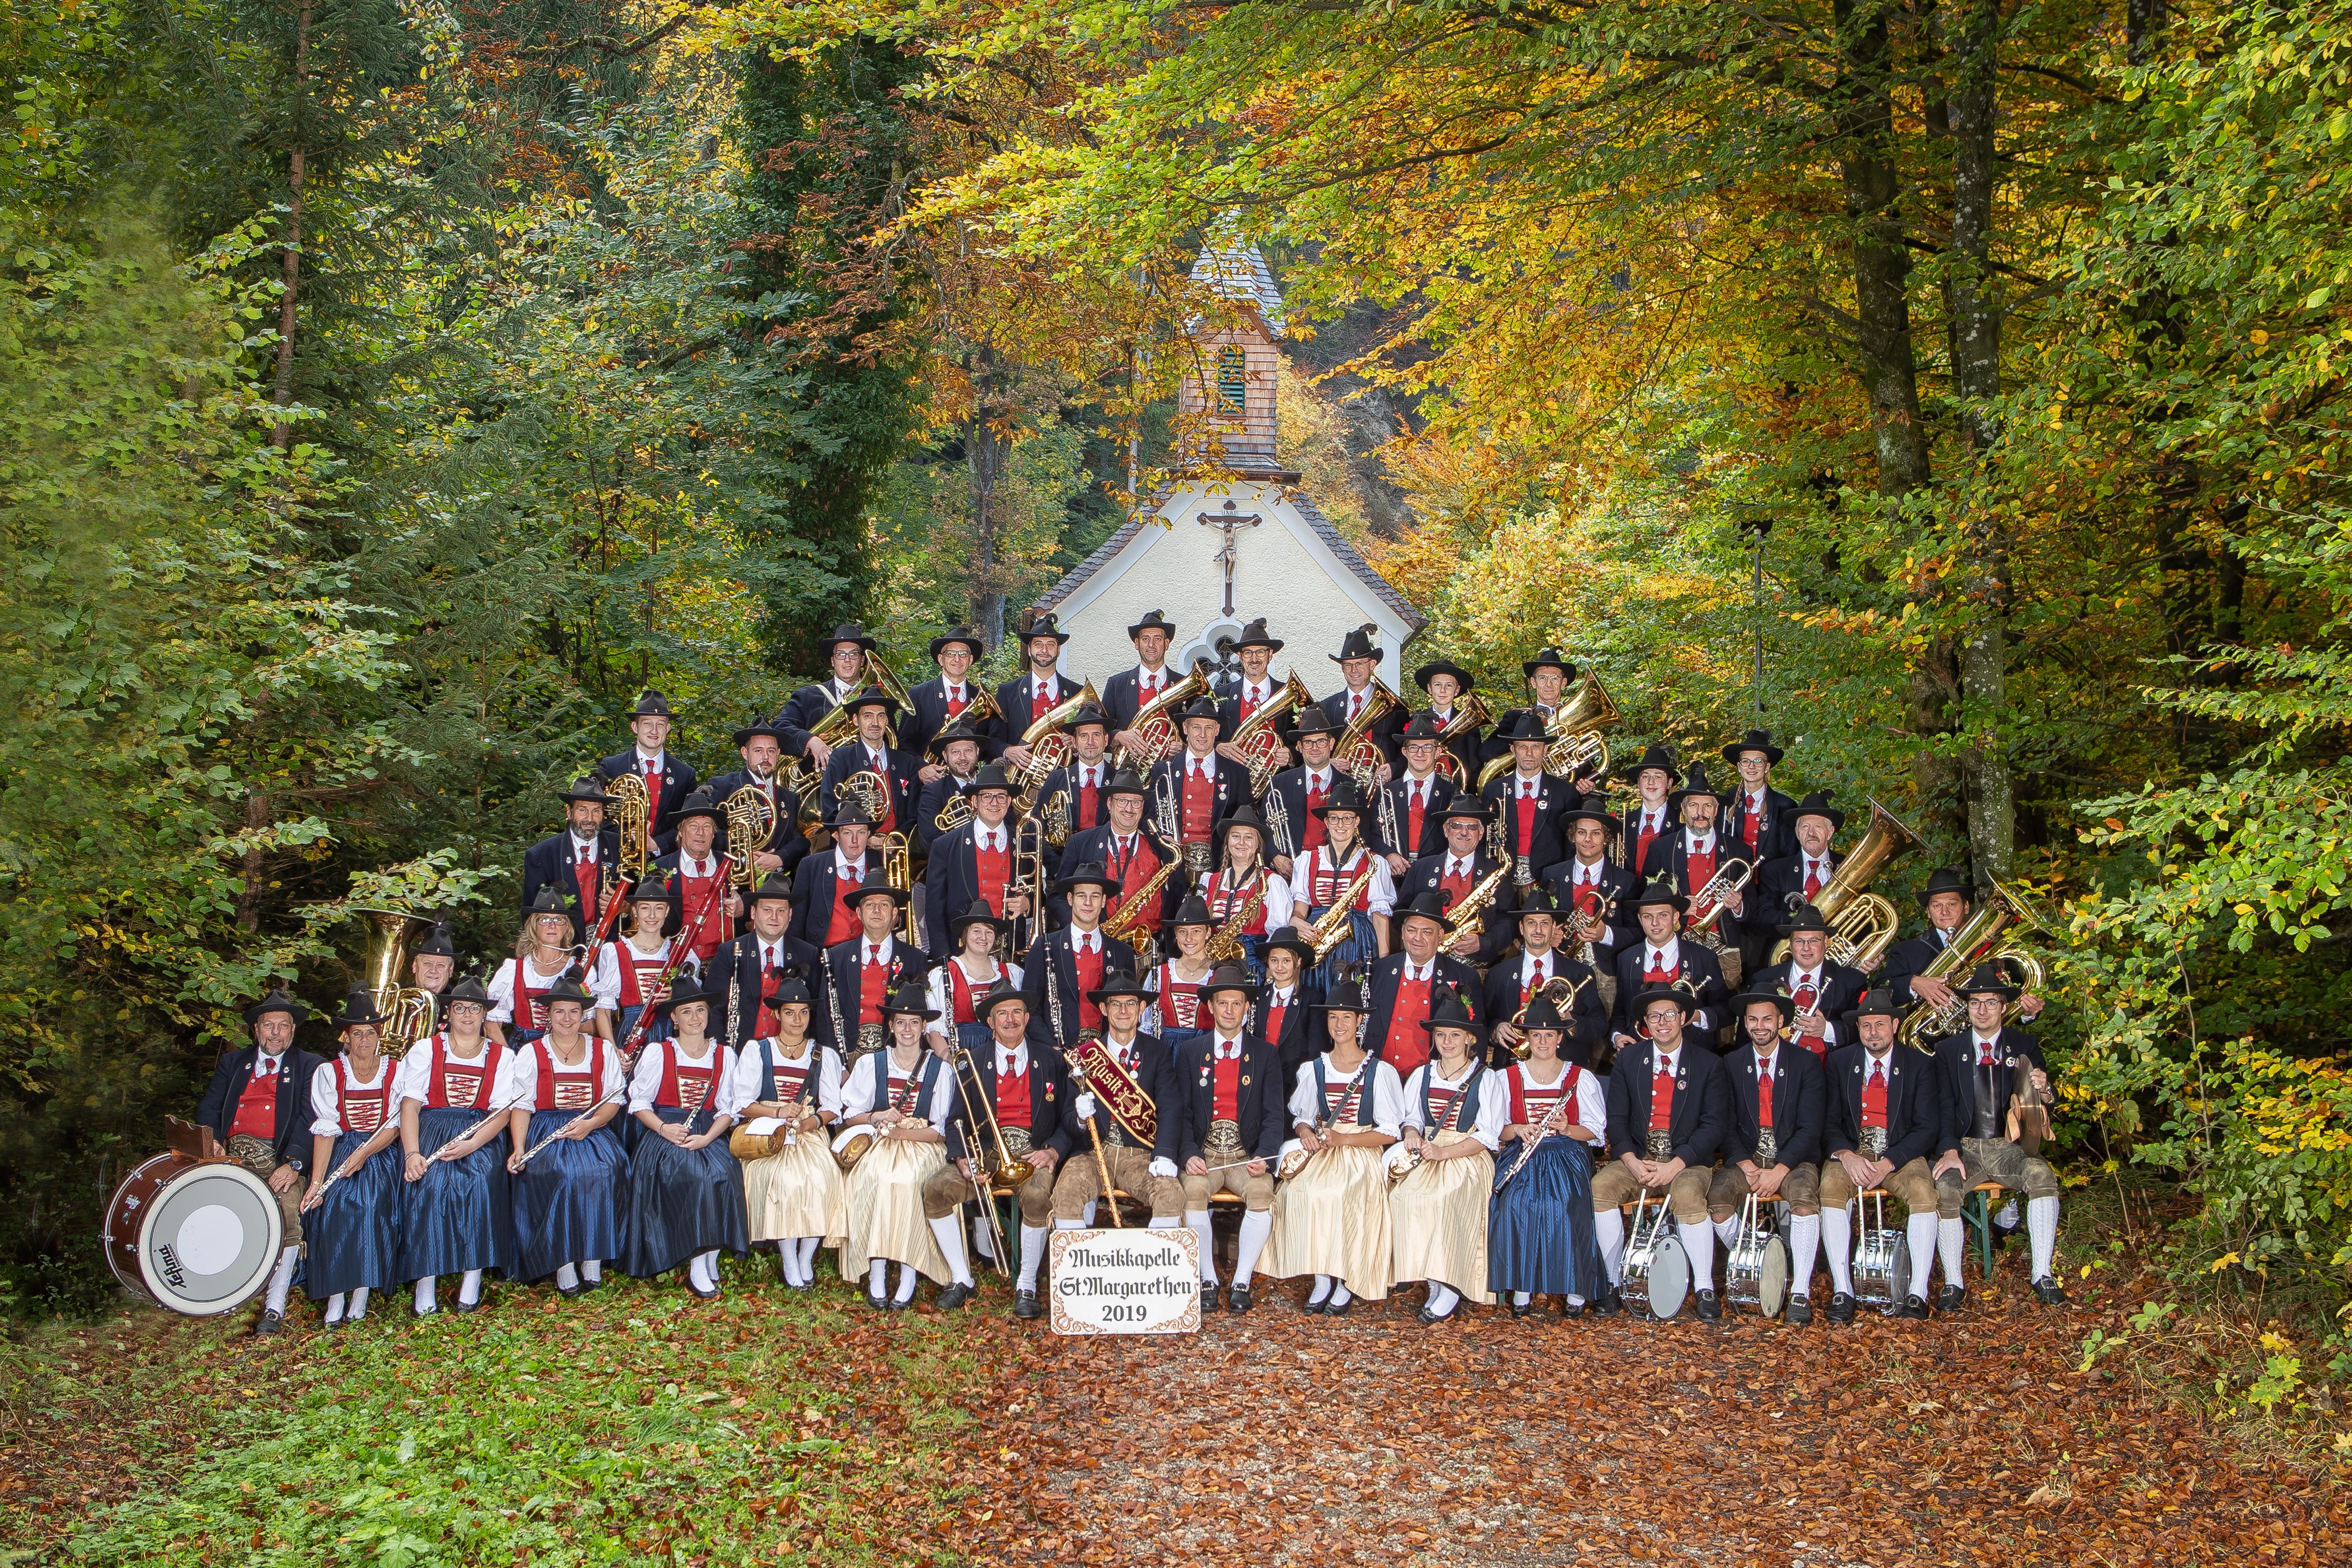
(1224,1140)
(1661,1146)
(1016,1140)
(1196,861)
(869,1038)
(1767,1148)
(1873,1142)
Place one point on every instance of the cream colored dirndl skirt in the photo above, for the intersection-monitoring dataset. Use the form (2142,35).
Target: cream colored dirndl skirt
(1333,1218)
(886,1210)
(797,1190)
(1439,1215)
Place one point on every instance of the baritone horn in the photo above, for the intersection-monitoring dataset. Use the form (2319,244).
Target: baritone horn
(408,1010)
(1988,936)
(631,805)
(1576,748)
(1154,724)
(1863,924)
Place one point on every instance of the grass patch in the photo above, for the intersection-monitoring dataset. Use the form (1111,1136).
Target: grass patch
(635,1423)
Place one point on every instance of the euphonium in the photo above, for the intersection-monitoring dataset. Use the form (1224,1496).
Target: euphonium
(407,1010)
(1986,937)
(1261,737)
(1155,731)
(1470,713)
(1863,925)
(632,807)
(1049,748)
(1576,748)
(1356,752)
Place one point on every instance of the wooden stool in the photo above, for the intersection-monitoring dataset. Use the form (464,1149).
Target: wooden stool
(1976,1213)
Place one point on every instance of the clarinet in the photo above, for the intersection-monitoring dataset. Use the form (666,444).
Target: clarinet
(1053,995)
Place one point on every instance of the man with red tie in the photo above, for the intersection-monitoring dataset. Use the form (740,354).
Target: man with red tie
(1292,797)
(1224,1123)
(1511,985)
(669,780)
(1063,966)
(1888,1119)
(863,969)
(1821,993)
(748,970)
(1796,878)
(1405,985)
(1528,801)
(1758,814)
(1406,811)
(869,751)
(1197,788)
(578,861)
(1128,849)
(1649,819)
(820,917)
(1084,778)
(1692,855)
(975,861)
(1464,864)
(759,745)
(693,870)
(844,652)
(1661,959)
(946,698)
(955,755)
(1037,689)
(1594,894)
(258,1106)
(1240,696)
(1359,659)
(1774,1146)
(1669,1109)
(1130,692)
(1449,687)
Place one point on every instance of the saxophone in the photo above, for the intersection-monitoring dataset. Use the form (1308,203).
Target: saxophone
(1127,923)
(1466,918)
(1225,941)
(1331,927)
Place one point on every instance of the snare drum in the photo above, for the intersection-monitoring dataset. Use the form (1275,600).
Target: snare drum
(1882,1264)
(1657,1269)
(1757,1274)
(197,1235)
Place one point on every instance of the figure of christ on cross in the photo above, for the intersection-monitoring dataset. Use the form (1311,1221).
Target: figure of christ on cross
(1227,555)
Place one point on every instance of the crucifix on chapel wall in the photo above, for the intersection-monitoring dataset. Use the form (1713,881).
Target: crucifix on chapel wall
(1228,555)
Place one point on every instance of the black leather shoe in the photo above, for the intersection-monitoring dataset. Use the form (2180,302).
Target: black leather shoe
(1208,1296)
(1425,1317)
(1913,1309)
(1340,1310)
(898,1304)
(1237,1299)
(1949,1300)
(1709,1309)
(588,1285)
(462,1308)
(952,1298)
(569,1292)
(709,1295)
(1612,1302)
(1522,1309)
(268,1323)
(1569,1309)
(1799,1312)
(2048,1288)
(335,1327)
(1314,1307)
(1026,1305)
(879,1303)
(1842,1307)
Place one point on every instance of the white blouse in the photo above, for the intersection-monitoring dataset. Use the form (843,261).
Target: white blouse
(1302,879)
(1592,1111)
(326,1096)
(502,989)
(750,1076)
(865,1089)
(415,1080)
(646,1082)
(1388,1109)
(1493,1102)
(519,1074)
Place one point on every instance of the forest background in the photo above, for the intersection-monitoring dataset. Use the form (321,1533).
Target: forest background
(388,390)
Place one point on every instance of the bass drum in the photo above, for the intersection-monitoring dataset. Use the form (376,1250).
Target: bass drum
(197,1235)
(1660,1280)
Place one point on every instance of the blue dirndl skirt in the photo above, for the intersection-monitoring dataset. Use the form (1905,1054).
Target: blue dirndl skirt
(567,1201)
(661,1028)
(680,1203)
(1360,946)
(354,1235)
(458,1215)
(1540,1235)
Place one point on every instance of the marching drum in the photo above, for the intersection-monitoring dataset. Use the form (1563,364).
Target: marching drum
(1757,1274)
(852,1144)
(199,1236)
(1657,1269)
(1882,1262)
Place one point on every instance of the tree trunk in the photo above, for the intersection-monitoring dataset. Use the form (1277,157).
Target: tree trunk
(1864,118)
(248,897)
(283,436)
(984,456)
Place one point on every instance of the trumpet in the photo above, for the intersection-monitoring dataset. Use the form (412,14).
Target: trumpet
(1156,732)
(1576,748)
(1863,925)
(1261,736)
(1356,752)
(1989,936)
(1470,713)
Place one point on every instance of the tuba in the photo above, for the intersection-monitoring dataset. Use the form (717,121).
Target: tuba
(1260,738)
(1575,727)
(408,1010)
(1863,925)
(1988,936)
(1156,734)
(633,812)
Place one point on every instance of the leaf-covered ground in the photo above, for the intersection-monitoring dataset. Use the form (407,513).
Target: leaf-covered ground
(640,1426)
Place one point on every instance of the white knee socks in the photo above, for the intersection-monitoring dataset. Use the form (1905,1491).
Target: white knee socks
(906,1283)
(425,1303)
(981,1242)
(1727,1229)
(698,1272)
(2007,1218)
(334,1309)
(1920,1228)
(567,1278)
(1256,1226)
(1837,1242)
(1032,1254)
(788,1260)
(1340,1295)
(1090,1212)
(1951,1245)
(1200,1224)
(1698,1241)
(1164,1222)
(808,1245)
(2042,1229)
(1521,1298)
(950,1239)
(469,1288)
(1609,1226)
(1322,1290)
(1442,1298)
(1804,1248)
(877,1277)
(592,1271)
(358,1309)
(283,1280)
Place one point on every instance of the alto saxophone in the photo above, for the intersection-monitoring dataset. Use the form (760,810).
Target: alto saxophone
(1127,923)
(1331,927)
(1226,942)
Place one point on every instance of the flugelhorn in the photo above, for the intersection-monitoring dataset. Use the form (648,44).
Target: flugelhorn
(1988,936)
(1710,900)
(1863,924)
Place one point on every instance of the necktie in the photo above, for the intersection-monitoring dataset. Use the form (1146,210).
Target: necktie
(1984,1053)
(1044,697)
(1763,1094)
(1540,976)
(873,953)
(1812,878)
(1877,1081)
(1355,704)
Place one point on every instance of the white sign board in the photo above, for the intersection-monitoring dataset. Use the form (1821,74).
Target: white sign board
(1125,1281)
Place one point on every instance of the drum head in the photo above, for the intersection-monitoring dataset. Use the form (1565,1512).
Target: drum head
(1898,1273)
(1669,1278)
(210,1238)
(1772,1277)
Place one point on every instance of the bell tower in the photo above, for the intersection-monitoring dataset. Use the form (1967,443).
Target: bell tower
(1227,394)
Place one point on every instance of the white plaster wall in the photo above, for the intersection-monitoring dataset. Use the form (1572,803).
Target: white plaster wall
(1285,573)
